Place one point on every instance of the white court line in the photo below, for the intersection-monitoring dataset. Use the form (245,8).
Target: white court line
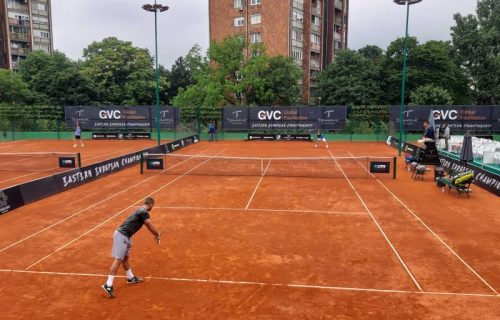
(258,184)
(434,234)
(117,214)
(79,212)
(379,227)
(256,283)
(264,209)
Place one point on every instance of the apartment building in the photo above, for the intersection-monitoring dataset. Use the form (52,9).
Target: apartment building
(25,26)
(311,32)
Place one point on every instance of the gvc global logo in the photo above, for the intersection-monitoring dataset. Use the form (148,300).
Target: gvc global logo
(110,114)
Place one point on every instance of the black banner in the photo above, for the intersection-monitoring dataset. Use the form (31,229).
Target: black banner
(10,199)
(482,178)
(280,137)
(17,196)
(154,164)
(136,117)
(284,118)
(67,162)
(120,136)
(380,167)
(459,118)
(407,148)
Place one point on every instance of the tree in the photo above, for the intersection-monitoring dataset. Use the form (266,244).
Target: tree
(180,77)
(431,95)
(428,63)
(123,74)
(56,80)
(233,79)
(476,44)
(13,90)
(351,79)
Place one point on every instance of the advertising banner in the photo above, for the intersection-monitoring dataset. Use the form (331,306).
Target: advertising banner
(284,118)
(136,117)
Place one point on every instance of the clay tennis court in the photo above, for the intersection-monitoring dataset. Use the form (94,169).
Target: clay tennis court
(263,247)
(26,160)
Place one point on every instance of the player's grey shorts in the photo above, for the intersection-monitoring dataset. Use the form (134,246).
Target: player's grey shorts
(121,246)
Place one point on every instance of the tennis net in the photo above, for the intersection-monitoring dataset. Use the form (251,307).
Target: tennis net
(39,161)
(327,167)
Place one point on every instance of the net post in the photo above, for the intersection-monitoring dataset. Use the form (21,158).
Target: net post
(79,156)
(142,163)
(394,164)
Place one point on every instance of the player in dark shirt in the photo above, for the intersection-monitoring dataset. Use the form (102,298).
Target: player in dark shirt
(428,133)
(122,243)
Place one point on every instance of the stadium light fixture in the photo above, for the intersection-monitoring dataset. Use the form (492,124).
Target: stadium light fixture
(407,3)
(156,8)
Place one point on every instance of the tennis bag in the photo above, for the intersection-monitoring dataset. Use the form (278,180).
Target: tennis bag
(462,178)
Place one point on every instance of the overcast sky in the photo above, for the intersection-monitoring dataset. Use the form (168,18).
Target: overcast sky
(77,23)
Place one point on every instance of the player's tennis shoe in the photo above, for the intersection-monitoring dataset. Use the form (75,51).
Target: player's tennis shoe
(135,280)
(108,290)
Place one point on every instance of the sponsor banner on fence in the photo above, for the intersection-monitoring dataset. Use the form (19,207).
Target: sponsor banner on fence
(280,137)
(136,117)
(10,199)
(460,118)
(120,136)
(406,147)
(15,197)
(284,118)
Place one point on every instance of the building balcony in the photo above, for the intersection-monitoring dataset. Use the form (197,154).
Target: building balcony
(338,22)
(337,36)
(298,24)
(316,10)
(315,65)
(20,37)
(19,22)
(17,8)
(339,5)
(298,5)
(315,28)
(20,51)
(299,63)
(315,47)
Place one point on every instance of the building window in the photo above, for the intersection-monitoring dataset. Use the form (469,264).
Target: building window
(297,16)
(238,4)
(315,39)
(255,38)
(42,7)
(255,18)
(255,2)
(297,54)
(297,35)
(239,21)
(40,20)
(43,47)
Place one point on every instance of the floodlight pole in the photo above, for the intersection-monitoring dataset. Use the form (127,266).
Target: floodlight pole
(156,8)
(403,81)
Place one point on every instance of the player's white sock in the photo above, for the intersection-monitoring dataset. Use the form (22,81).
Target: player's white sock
(129,273)
(109,283)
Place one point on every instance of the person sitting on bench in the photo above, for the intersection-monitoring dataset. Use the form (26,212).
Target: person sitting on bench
(428,134)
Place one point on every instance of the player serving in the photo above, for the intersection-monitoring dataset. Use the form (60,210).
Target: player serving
(320,138)
(122,243)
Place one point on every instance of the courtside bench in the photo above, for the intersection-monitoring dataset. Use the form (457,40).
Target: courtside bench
(458,183)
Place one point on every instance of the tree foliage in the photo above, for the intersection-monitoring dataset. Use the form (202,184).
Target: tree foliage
(123,74)
(352,79)
(431,95)
(13,90)
(476,45)
(56,80)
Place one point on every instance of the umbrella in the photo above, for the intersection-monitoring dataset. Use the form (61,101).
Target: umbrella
(466,154)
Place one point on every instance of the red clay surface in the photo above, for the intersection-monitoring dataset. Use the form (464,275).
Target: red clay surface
(93,151)
(252,247)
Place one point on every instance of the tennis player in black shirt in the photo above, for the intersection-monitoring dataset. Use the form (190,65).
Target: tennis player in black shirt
(122,244)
